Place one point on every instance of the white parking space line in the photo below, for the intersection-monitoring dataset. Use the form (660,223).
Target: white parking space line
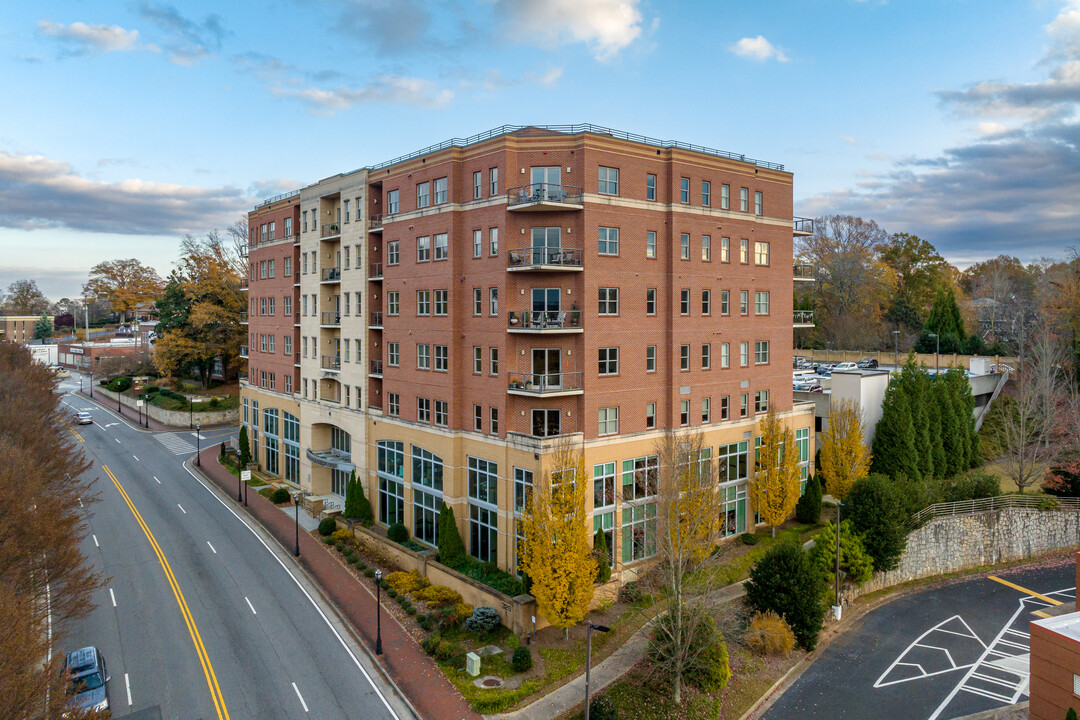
(127,684)
(112,597)
(211,547)
(250,605)
(302,703)
(158,481)
(136,458)
(181,508)
(117,439)
(95,541)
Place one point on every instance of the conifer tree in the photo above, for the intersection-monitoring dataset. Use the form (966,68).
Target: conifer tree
(451,549)
(603,557)
(916,382)
(952,443)
(893,449)
(243,448)
(808,509)
(934,415)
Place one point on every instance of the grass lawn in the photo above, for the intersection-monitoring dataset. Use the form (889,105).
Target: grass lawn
(734,559)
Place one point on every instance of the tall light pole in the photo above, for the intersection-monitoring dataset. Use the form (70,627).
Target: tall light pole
(588,658)
(896,347)
(198,444)
(296,507)
(378,612)
(937,351)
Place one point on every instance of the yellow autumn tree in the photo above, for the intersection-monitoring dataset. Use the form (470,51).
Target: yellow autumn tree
(125,284)
(555,552)
(844,457)
(775,490)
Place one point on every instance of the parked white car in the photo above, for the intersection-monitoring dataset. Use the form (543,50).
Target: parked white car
(844,366)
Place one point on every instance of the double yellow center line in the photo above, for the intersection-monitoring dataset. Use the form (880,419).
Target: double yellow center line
(200,650)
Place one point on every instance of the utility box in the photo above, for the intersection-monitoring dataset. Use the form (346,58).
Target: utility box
(472,664)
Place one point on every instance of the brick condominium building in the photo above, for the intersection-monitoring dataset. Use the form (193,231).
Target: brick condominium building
(440,322)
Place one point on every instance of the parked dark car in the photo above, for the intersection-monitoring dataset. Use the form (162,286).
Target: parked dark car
(87,679)
(867,363)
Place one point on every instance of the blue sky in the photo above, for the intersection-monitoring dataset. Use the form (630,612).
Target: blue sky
(127,124)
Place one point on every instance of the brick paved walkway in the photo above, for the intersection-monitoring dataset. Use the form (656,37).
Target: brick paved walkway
(403,660)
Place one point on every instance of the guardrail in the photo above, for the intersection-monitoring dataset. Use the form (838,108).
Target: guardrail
(544,192)
(331,230)
(331,318)
(331,274)
(376,367)
(243,351)
(243,283)
(539,320)
(331,362)
(375,320)
(375,222)
(803,317)
(1000,502)
(802,225)
(375,271)
(541,383)
(535,257)
(803,271)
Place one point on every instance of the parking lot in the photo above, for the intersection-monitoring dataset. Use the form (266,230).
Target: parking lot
(941,653)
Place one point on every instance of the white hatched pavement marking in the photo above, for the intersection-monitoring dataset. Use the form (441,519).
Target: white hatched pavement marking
(175,444)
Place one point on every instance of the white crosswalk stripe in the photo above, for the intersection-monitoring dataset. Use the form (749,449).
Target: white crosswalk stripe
(176,443)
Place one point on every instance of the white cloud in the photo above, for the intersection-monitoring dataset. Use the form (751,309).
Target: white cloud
(1064,31)
(990,128)
(607,26)
(81,38)
(390,89)
(851,140)
(758,48)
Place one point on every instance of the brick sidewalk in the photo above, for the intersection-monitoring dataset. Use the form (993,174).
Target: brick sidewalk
(403,660)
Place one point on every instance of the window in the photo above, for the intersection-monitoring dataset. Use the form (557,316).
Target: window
(391,472)
(744,354)
(706,302)
(609,241)
(609,361)
(650,186)
(393,401)
(744,251)
(262,266)
(684,246)
(761,302)
(393,254)
(291,440)
(733,461)
(725,197)
(262,343)
(493,241)
(423,356)
(493,360)
(609,421)
(423,198)
(347,400)
(493,301)
(478,418)
(684,190)
(305,346)
(545,423)
(477,184)
(706,248)
(733,509)
(650,244)
(684,412)
(262,306)
(423,249)
(706,356)
(426,508)
(493,181)
(759,203)
(393,354)
(639,478)
(604,485)
(609,181)
(638,532)
(494,429)
(483,525)
(650,358)
(393,302)
(706,193)
(477,301)
(270,266)
(523,484)
(346,204)
(441,302)
(440,190)
(423,302)
(391,202)
(802,444)
(270,440)
(477,242)
(609,301)
(440,246)
(442,358)
(761,253)
(442,413)
(725,302)
(706,410)
(423,410)
(744,405)
(744,199)
(744,302)
(724,407)
(347,351)
(650,301)
(684,301)
(725,249)
(286,306)
(287,344)
(272,340)
(761,401)
(684,357)
(650,415)
(478,360)
(761,352)
(303,218)
(287,263)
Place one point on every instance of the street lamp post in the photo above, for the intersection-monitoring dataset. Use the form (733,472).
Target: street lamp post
(198,444)
(896,348)
(296,508)
(937,351)
(190,404)
(588,658)
(378,612)
(245,493)
(91,381)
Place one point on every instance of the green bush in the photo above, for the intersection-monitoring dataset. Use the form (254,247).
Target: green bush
(808,509)
(748,538)
(430,643)
(280,496)
(445,650)
(712,670)
(603,708)
(488,574)
(369,572)
(854,560)
(786,582)
(410,609)
(391,592)
(513,642)
(482,621)
(603,557)
(327,526)
(877,515)
(266,492)
(360,564)
(522,659)
(398,533)
(1071,715)
(119,385)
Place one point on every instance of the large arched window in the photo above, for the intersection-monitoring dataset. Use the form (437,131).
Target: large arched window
(391,472)
(427,483)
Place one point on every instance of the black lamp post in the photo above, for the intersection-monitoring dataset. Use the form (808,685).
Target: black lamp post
(896,348)
(588,658)
(239,483)
(937,351)
(119,407)
(296,507)
(91,380)
(189,406)
(198,444)
(245,493)
(378,612)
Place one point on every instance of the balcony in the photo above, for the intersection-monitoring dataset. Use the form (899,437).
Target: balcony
(328,232)
(330,319)
(541,197)
(375,271)
(545,384)
(545,322)
(376,369)
(243,283)
(242,376)
(375,321)
(803,272)
(243,351)
(565,259)
(804,318)
(802,227)
(331,363)
(296,319)
(375,223)
(331,458)
(244,318)
(330,275)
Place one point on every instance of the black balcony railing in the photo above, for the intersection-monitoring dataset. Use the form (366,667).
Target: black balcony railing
(331,318)
(243,317)
(375,222)
(375,271)
(243,351)
(802,226)
(537,193)
(376,367)
(544,320)
(243,283)
(375,320)
(543,383)
(331,362)
(331,274)
(545,257)
(803,271)
(330,230)
(803,317)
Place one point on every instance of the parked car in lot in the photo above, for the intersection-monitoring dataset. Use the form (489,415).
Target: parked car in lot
(60,372)
(84,418)
(805,384)
(88,679)
(844,366)
(867,363)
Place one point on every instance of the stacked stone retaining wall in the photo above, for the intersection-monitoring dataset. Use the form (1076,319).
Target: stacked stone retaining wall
(175,418)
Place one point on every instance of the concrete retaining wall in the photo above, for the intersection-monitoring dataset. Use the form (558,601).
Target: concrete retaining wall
(174,418)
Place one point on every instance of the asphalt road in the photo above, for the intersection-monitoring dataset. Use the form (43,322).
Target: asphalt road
(942,653)
(204,616)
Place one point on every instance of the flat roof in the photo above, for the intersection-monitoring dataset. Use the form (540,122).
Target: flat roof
(1065,625)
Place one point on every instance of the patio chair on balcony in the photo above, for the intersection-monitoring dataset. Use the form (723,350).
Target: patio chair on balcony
(517,257)
(559,320)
